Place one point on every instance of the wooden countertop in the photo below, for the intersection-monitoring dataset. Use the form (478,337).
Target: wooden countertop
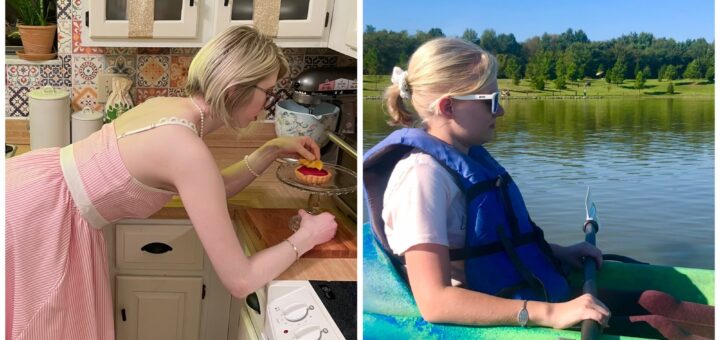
(340,269)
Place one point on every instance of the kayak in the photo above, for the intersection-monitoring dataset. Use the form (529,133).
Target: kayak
(389,310)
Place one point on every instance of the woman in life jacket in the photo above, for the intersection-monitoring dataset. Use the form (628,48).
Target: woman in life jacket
(455,224)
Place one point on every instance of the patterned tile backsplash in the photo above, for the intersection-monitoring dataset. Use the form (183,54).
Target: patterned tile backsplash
(154,71)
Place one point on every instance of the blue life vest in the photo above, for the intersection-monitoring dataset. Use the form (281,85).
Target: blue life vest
(505,253)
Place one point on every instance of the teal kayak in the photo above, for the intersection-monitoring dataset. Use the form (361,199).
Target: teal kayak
(389,310)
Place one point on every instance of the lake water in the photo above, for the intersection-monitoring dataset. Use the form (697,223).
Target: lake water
(649,162)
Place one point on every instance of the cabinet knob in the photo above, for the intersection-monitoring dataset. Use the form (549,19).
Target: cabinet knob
(156,248)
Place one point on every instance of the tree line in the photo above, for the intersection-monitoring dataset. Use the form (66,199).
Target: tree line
(569,56)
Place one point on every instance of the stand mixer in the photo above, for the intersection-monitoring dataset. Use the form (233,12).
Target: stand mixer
(323,106)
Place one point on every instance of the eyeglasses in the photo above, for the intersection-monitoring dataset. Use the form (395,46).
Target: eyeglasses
(270,97)
(493,97)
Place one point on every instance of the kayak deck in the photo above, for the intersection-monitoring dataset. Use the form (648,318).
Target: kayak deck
(389,310)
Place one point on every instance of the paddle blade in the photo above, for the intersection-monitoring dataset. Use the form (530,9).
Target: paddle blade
(590,208)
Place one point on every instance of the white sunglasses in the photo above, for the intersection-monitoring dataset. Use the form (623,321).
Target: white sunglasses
(493,97)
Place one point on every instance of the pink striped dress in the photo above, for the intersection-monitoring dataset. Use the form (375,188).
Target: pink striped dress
(57,200)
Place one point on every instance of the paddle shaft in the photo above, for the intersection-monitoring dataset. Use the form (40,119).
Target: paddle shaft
(590,328)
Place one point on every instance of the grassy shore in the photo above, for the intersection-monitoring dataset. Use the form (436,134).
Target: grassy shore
(373,87)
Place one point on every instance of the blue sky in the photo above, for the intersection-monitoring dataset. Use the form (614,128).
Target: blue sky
(599,19)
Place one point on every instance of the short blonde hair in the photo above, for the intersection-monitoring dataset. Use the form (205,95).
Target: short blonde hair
(236,60)
(440,67)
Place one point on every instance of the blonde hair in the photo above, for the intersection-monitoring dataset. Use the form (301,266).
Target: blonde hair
(440,67)
(227,68)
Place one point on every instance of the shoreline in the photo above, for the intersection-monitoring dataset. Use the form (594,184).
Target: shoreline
(595,97)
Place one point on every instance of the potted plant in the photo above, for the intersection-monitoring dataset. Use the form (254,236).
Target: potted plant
(36,31)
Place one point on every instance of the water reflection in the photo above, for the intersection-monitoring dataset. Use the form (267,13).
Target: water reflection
(649,162)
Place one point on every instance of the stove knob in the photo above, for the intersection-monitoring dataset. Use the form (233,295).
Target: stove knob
(310,332)
(295,312)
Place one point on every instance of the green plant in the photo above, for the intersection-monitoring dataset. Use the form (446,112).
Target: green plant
(33,12)
(670,88)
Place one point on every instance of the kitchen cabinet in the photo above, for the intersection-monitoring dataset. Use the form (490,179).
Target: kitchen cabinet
(158,308)
(191,23)
(343,34)
(172,18)
(298,18)
(163,284)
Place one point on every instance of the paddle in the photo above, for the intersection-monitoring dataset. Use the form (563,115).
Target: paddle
(590,328)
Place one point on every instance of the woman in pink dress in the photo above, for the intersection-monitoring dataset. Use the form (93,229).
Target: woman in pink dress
(58,199)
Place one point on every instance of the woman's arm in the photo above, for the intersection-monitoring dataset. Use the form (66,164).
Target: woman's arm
(439,302)
(237,176)
(202,190)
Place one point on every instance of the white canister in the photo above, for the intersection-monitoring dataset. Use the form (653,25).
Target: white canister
(49,111)
(85,122)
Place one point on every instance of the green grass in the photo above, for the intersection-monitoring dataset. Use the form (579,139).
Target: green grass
(373,87)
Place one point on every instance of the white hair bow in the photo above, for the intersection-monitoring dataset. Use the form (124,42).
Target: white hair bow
(399,78)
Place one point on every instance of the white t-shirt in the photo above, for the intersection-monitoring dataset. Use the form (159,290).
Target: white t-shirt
(423,204)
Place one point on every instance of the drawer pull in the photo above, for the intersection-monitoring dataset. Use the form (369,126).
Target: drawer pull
(122,313)
(252,302)
(156,248)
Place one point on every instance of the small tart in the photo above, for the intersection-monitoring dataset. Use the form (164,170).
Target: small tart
(312,176)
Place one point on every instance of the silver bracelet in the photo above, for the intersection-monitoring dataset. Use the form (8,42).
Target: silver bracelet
(247,164)
(297,253)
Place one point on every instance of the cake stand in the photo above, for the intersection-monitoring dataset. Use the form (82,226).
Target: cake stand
(343,181)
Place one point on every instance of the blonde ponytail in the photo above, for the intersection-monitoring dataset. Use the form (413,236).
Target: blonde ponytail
(398,112)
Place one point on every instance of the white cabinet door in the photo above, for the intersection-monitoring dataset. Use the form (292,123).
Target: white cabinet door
(298,18)
(172,18)
(158,308)
(343,30)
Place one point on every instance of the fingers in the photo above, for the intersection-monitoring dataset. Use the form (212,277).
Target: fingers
(597,311)
(314,148)
(304,153)
(302,213)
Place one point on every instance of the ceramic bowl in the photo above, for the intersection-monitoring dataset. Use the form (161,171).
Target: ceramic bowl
(293,119)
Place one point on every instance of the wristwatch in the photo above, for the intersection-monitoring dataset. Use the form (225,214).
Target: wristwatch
(523,315)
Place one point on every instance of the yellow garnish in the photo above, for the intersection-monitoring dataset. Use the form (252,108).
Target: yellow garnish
(316,164)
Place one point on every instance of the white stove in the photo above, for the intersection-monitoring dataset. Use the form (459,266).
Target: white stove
(291,309)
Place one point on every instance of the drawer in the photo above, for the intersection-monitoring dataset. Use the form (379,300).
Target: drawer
(152,246)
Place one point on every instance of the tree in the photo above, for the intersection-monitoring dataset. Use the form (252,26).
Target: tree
(512,69)
(470,35)
(617,73)
(693,70)
(661,73)
(640,80)
(560,74)
(670,72)
(646,71)
(670,88)
(710,74)
(488,41)
(370,29)
(370,61)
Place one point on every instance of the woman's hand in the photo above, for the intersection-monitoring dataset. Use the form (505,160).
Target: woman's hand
(315,229)
(572,255)
(303,146)
(584,307)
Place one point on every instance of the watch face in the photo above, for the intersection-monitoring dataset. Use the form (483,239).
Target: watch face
(523,317)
